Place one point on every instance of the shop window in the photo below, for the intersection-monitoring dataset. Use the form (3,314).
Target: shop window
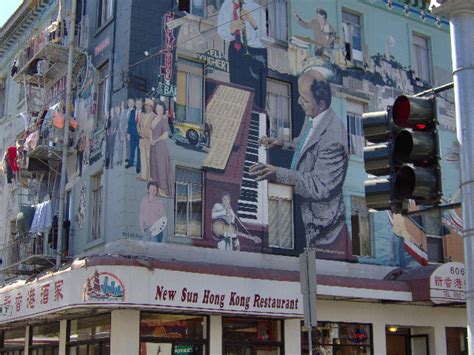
(456,340)
(422,61)
(97,197)
(105,11)
(352,36)
(89,335)
(338,338)
(45,339)
(103,90)
(280,216)
(173,334)
(279,109)
(435,249)
(190,91)
(277,19)
(12,341)
(188,209)
(252,336)
(360,223)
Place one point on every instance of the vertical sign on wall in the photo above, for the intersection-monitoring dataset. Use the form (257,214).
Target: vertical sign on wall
(165,85)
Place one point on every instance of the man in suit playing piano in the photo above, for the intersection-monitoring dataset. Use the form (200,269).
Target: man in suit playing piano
(318,169)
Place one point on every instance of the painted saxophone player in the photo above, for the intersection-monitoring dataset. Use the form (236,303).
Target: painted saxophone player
(318,169)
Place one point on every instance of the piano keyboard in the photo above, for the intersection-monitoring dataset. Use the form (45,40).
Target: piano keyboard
(253,195)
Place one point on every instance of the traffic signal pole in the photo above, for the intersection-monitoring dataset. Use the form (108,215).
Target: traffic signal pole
(461,17)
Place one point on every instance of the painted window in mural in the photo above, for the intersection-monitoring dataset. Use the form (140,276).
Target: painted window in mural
(102,95)
(105,11)
(360,223)
(280,216)
(97,196)
(277,19)
(188,210)
(352,34)
(356,140)
(421,54)
(279,109)
(200,7)
(190,91)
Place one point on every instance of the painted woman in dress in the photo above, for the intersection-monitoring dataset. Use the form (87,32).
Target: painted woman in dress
(161,169)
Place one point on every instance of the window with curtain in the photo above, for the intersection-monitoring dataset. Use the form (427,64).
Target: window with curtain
(280,216)
(190,91)
(422,61)
(352,35)
(102,95)
(277,19)
(360,225)
(279,109)
(188,199)
(355,132)
(97,197)
(105,11)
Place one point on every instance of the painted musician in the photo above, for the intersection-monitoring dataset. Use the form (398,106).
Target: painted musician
(223,213)
(242,24)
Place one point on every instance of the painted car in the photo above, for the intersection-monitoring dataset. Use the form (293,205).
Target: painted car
(188,132)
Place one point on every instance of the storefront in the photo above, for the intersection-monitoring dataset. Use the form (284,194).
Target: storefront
(115,305)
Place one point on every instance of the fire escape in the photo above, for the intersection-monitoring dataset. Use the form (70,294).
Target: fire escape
(41,70)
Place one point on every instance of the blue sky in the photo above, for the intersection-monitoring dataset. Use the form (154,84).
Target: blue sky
(7,8)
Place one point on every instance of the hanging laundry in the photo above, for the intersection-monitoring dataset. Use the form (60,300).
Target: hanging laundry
(31,141)
(42,219)
(11,156)
(24,219)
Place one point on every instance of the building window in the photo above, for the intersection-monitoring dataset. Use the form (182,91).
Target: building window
(173,334)
(188,209)
(277,19)
(360,222)
(45,339)
(352,35)
(251,335)
(12,341)
(190,91)
(2,97)
(280,216)
(279,109)
(422,62)
(89,335)
(103,96)
(105,11)
(338,338)
(97,196)
(355,132)
(435,249)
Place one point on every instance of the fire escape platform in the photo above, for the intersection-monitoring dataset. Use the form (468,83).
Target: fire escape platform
(56,56)
(46,153)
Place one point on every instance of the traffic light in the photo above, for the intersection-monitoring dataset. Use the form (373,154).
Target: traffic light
(403,155)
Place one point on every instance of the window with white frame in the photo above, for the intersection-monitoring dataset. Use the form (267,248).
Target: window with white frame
(190,91)
(105,11)
(188,199)
(352,35)
(102,95)
(279,109)
(277,19)
(360,224)
(422,61)
(97,197)
(355,132)
(280,216)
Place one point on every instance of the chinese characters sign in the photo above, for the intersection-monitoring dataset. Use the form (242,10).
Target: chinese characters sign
(448,283)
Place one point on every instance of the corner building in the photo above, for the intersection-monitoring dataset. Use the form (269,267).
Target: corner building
(209,146)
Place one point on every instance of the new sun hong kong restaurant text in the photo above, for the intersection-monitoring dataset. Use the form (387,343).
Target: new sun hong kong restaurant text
(231,299)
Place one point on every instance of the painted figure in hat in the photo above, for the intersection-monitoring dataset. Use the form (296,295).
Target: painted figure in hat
(144,131)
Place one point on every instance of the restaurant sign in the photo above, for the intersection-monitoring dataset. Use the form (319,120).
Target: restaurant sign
(448,284)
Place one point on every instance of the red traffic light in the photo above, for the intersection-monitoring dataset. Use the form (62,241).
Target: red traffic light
(412,112)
